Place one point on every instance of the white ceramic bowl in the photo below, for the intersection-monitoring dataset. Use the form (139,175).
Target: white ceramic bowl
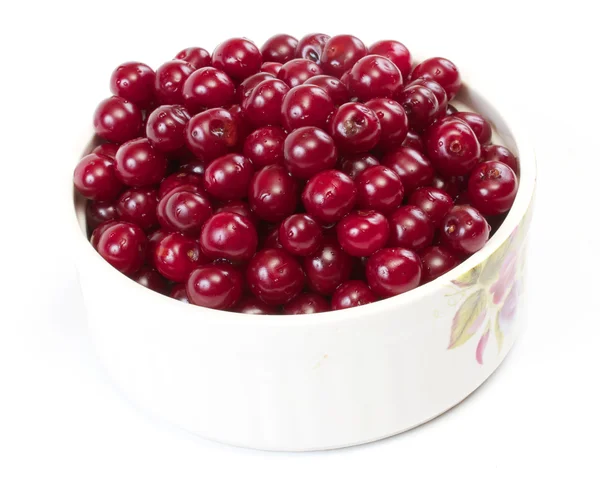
(315,381)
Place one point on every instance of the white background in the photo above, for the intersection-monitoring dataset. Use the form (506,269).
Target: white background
(62,421)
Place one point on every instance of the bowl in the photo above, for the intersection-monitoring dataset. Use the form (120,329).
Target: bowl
(317,381)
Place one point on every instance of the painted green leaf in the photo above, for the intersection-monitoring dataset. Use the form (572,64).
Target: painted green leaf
(498,332)
(491,267)
(469,318)
(468,278)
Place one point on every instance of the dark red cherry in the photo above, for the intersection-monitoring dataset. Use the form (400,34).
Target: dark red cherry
(193,166)
(434,202)
(414,141)
(413,169)
(197,57)
(355,128)
(207,88)
(436,261)
(271,240)
(243,126)
(340,53)
(272,68)
(133,81)
(410,228)
(263,106)
(300,234)
(123,245)
(441,70)
(246,87)
(296,71)
(189,181)
(393,121)
(396,52)
(500,153)
(307,303)
(99,212)
(99,230)
(228,177)
(273,193)
(306,105)
(117,120)
(169,81)
(216,286)
(329,195)
(351,294)
(420,104)
(212,133)
(264,146)
(451,185)
(393,271)
(311,47)
(138,163)
(464,230)
(274,276)
(178,292)
(480,126)
(362,233)
(380,189)
(183,211)
(238,58)
(230,236)
(308,151)
(492,187)
(138,206)
(374,76)
(452,147)
(253,305)
(176,255)
(337,91)
(106,149)
(354,164)
(241,208)
(165,127)
(279,48)
(95,178)
(150,278)
(328,267)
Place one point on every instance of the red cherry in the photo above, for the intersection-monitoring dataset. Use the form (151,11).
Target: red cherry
(396,52)
(150,278)
(123,245)
(329,195)
(138,206)
(414,169)
(253,305)
(241,208)
(183,211)
(263,105)
(246,87)
(95,178)
(311,47)
(434,202)
(274,276)
(436,261)
(308,151)
(228,177)
(197,57)
(217,286)
(492,187)
(307,303)
(279,48)
(212,133)
(393,271)
(238,58)
(230,236)
(138,163)
(340,53)
(117,120)
(500,153)
(380,189)
(442,71)
(264,146)
(178,292)
(273,193)
(374,76)
(207,88)
(362,233)
(176,255)
(272,68)
(452,147)
(464,230)
(97,213)
(189,181)
(480,126)
(297,71)
(300,234)
(410,228)
(306,105)
(393,121)
(328,267)
(169,81)
(106,149)
(165,127)
(355,128)
(133,81)
(351,294)
(354,164)
(337,91)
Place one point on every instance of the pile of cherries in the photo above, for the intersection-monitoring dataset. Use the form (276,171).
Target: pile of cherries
(301,177)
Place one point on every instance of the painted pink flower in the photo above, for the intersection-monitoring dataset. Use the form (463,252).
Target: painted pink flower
(481,346)
(508,272)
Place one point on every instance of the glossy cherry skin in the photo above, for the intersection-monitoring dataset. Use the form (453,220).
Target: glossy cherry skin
(212,133)
(272,68)
(396,52)
(410,228)
(500,153)
(420,104)
(106,149)
(436,261)
(228,177)
(464,230)
(230,236)
(246,87)
(117,120)
(441,70)
(307,303)
(253,305)
(393,271)
(241,208)
(176,255)
(393,121)
(99,230)
(451,110)
(123,245)
(380,189)
(328,267)
(207,88)
(311,47)
(279,48)
(138,206)
(264,146)
(97,213)
(189,181)
(363,233)
(133,81)
(138,163)
(274,276)
(412,167)
(217,286)
(169,81)
(451,185)
(178,292)
(329,195)
(492,187)
(273,193)
(197,57)
(271,240)
(434,202)
(150,278)
(238,58)
(183,211)
(263,105)
(243,126)
(337,91)
(340,53)
(374,76)
(306,105)
(96,179)
(354,164)
(296,71)
(355,128)
(414,141)
(308,151)
(439,93)
(452,147)
(300,234)
(480,126)
(165,127)
(351,294)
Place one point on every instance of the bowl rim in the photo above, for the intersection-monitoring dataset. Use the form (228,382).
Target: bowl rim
(508,114)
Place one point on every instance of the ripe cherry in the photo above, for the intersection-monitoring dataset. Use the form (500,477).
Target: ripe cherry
(272,68)
(480,126)
(410,228)
(217,286)
(263,105)
(380,189)
(274,276)
(165,127)
(138,206)
(307,303)
(228,177)
(300,234)
(97,213)
(150,278)
(169,81)
(393,121)
(133,81)
(434,202)
(421,106)
(464,230)
(354,164)
(139,163)
(253,305)
(329,195)
(207,88)
(212,133)
(436,261)
(328,267)
(393,271)
(441,70)
(311,47)
(238,58)
(337,91)
(176,255)
(279,48)
(363,233)
(230,236)
(308,151)
(296,71)
(264,146)
(340,53)
(197,57)
(183,211)
(117,120)
(492,187)
(396,52)
(452,147)
(306,105)
(95,178)
(190,181)
(123,245)
(412,167)
(351,294)
(355,128)
(500,153)
(374,76)
(273,193)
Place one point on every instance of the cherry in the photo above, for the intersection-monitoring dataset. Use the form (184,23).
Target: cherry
(410,228)
(300,234)
(241,208)
(133,81)
(228,177)
(396,52)
(374,76)
(178,292)
(212,133)
(421,105)
(165,127)
(123,245)
(434,202)
(451,185)
(117,120)
(106,149)
(355,128)
(452,147)
(500,153)
(263,105)
(464,230)
(393,121)
(413,169)
(271,241)
(138,163)
(243,126)
(436,261)
(438,91)
(197,57)
(296,71)
(354,164)
(230,236)
(329,195)
(340,53)
(253,305)
(99,230)
(393,271)
(272,68)
(306,105)
(363,233)
(380,189)
(153,240)
(217,286)
(246,87)
(176,255)
(492,187)
(480,126)
(207,88)
(183,211)
(307,303)
(99,212)
(337,91)
(95,178)
(264,146)
(441,70)
(414,141)
(150,278)
(328,267)
(190,181)
(169,81)
(138,206)
(238,58)
(351,294)
(279,48)
(274,276)
(273,193)
(308,151)
(311,47)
